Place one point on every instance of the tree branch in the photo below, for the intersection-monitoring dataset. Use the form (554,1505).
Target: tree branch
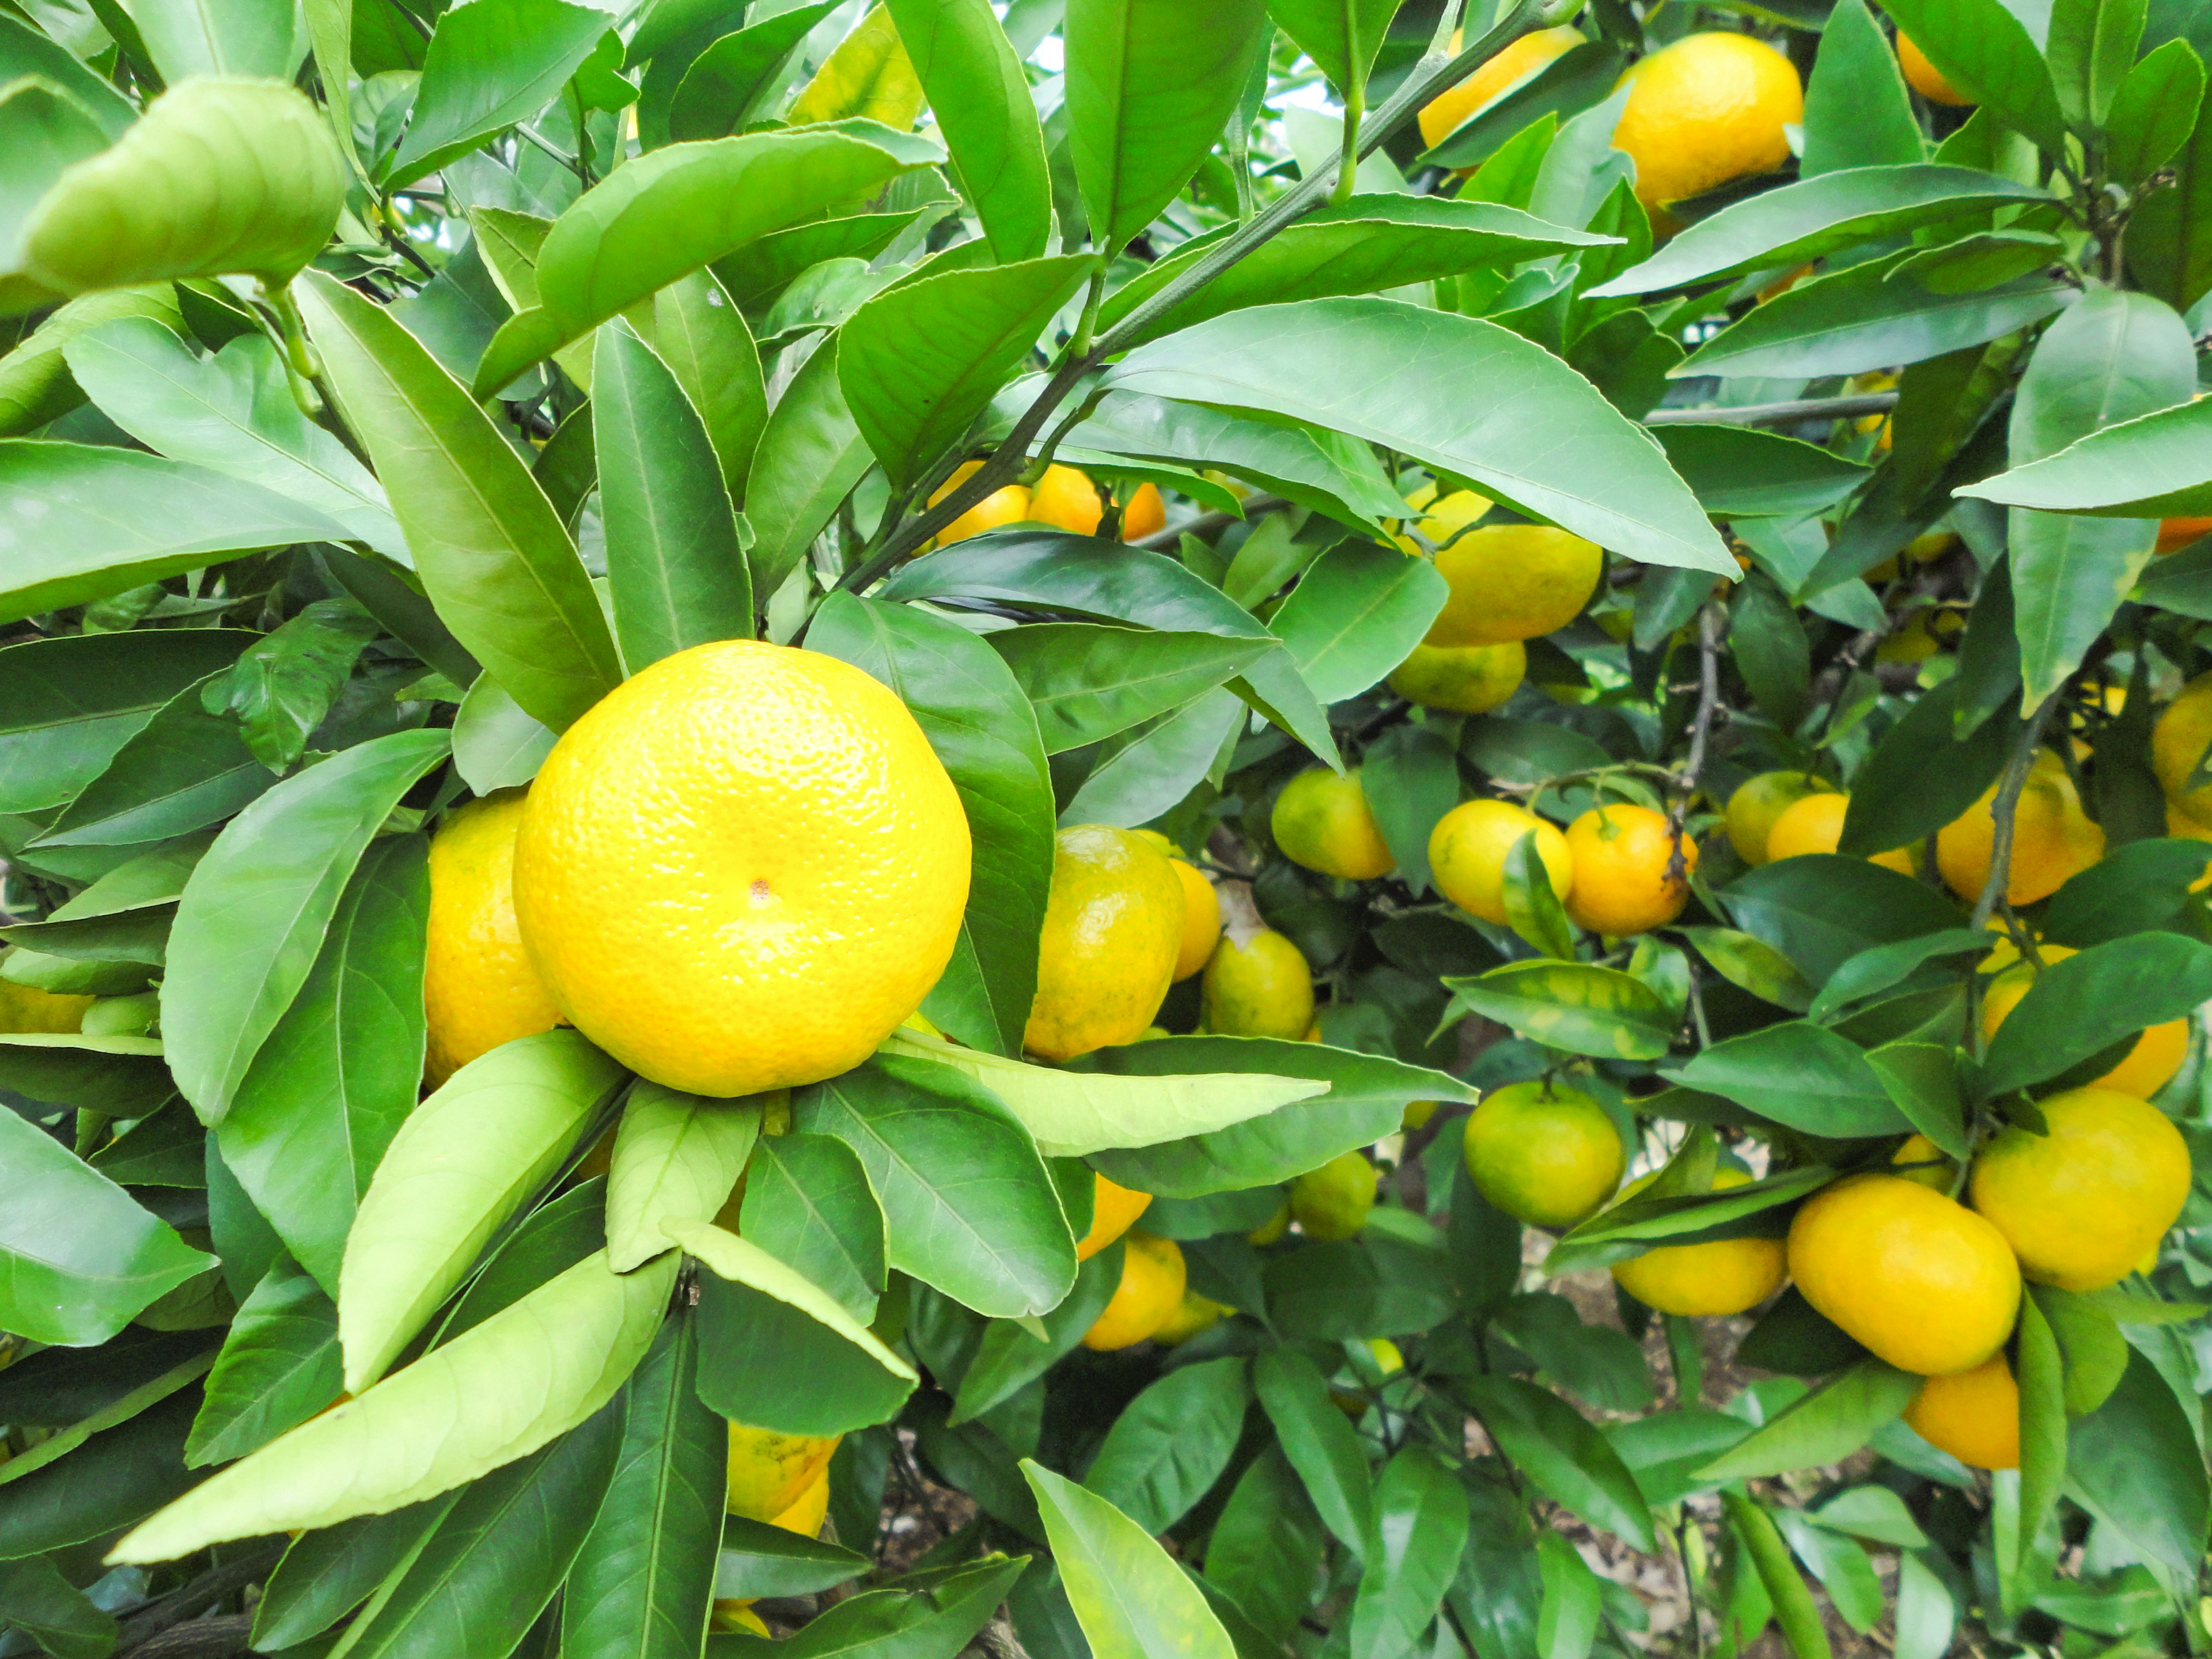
(2002,810)
(1701,727)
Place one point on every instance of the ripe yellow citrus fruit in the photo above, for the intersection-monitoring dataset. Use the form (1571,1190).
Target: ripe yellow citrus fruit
(1262,988)
(1447,110)
(1973,1415)
(1113,929)
(1322,820)
(742,869)
(1007,505)
(1468,848)
(1926,1283)
(1332,1201)
(2174,534)
(1720,1276)
(1710,108)
(478,988)
(1758,801)
(1151,1289)
(2081,1205)
(2052,839)
(1113,1210)
(1815,824)
(1920,1159)
(2147,1068)
(1462,680)
(808,1509)
(1622,855)
(1921,635)
(1194,1314)
(1514,582)
(1066,499)
(1147,513)
(770,1472)
(1545,1155)
(1924,78)
(26,1010)
(2179,741)
(1442,519)
(1201,919)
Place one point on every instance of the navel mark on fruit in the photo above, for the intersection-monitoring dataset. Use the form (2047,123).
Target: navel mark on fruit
(760,889)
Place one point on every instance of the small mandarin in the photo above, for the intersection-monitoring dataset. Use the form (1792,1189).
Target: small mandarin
(1924,78)
(1468,848)
(1709,108)
(1322,820)
(1448,110)
(1201,919)
(1547,1155)
(2147,1067)
(1112,930)
(1260,986)
(1153,1281)
(1720,1276)
(1066,499)
(1973,1415)
(1113,1210)
(1007,505)
(1758,802)
(1623,856)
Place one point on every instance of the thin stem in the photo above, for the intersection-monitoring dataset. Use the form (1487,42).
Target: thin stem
(1347,160)
(1080,345)
(2002,810)
(1797,409)
(1708,698)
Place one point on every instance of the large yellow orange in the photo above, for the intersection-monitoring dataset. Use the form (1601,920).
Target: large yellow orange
(1468,848)
(1334,1201)
(1322,820)
(1623,856)
(1973,1415)
(1925,1283)
(1720,1276)
(1513,581)
(1524,57)
(2052,839)
(2142,1071)
(478,988)
(742,869)
(1758,801)
(2081,1204)
(1710,108)
(1113,1210)
(1112,931)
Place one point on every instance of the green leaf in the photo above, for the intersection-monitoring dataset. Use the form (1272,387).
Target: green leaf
(2079,1007)
(2151,467)
(1922,1079)
(1839,1563)
(972,710)
(1573,1006)
(495,1558)
(1819,216)
(1753,964)
(644,1579)
(1874,970)
(778,1351)
(278,1367)
(25,50)
(1826,1426)
(218,177)
(1820,909)
(488,66)
(1172,1442)
(1341,36)
(1357,614)
(1922,776)
(495,745)
(1411,780)
(111,1480)
(811,455)
(1532,909)
(1799,1074)
(677,1160)
(282,688)
(933,1619)
(1858,319)
(1420,1529)
(1857,112)
(968,1205)
(981,99)
(257,906)
(35,383)
(36,1601)
(1377,1285)
(1317,360)
(1562,1454)
(496,1393)
(1872,1512)
(1150,87)
(808,1203)
(341,1070)
(728,82)
(1321,1444)
(454,1171)
(1981,48)
(88,522)
(1786,1599)
(2090,47)
(232,413)
(699,333)
(1532,751)
(674,211)
(2153,112)
(675,572)
(1370,243)
(2135,1458)
(920,361)
(1926,1612)
(493,556)
(1771,650)
(183,770)
(868,74)
(1268,1546)
(1010,1356)
(758,1559)
(1367,1094)
(2106,360)
(81,1259)
(2141,886)
(1087,682)
(68,704)
(2042,1441)
(2170,242)
(1741,472)
(114,1075)
(255,37)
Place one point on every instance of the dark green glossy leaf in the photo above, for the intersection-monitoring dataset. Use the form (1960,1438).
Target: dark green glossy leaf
(1266,1547)
(1799,1074)
(1921,776)
(1753,964)
(116,1476)
(1922,1079)
(1087,681)
(808,1203)
(726,83)
(1420,1529)
(1826,1426)
(758,1559)
(1562,1454)
(1820,909)
(2080,1006)
(1010,1356)
(2137,1459)
(1411,781)
(325,1574)
(1741,472)
(2153,466)
(1172,1442)
(1321,1444)
(1357,614)
(278,1367)
(699,333)
(2132,889)
(36,1601)
(810,456)
(183,770)
(487,69)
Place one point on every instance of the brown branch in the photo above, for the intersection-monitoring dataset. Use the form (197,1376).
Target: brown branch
(138,1631)
(1701,727)
(202,1638)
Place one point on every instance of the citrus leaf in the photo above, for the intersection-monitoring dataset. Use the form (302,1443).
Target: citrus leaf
(278,1367)
(698,332)
(257,906)
(1754,965)
(1571,1006)
(868,75)
(677,1159)
(1826,1426)
(1798,1073)
(1563,1455)
(808,1203)
(493,558)
(2084,1005)
(1074,1114)
(35,383)
(488,66)
(981,97)
(495,745)
(456,1168)
(1172,1442)
(1420,1529)
(1087,681)
(1133,1601)
(1321,1444)
(2154,466)
(497,1392)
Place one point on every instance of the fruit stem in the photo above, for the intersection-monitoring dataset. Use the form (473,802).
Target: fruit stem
(1355,106)
(2002,810)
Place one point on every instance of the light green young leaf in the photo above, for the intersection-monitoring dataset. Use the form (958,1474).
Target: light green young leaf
(747,1264)
(1132,1600)
(494,558)
(1341,36)
(868,75)
(35,383)
(2157,466)
(455,1171)
(1074,1114)
(497,1392)
(489,64)
(495,745)
(677,1159)
(1572,1005)
(981,99)
(260,38)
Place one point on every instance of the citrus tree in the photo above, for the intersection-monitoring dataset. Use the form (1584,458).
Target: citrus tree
(765,769)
